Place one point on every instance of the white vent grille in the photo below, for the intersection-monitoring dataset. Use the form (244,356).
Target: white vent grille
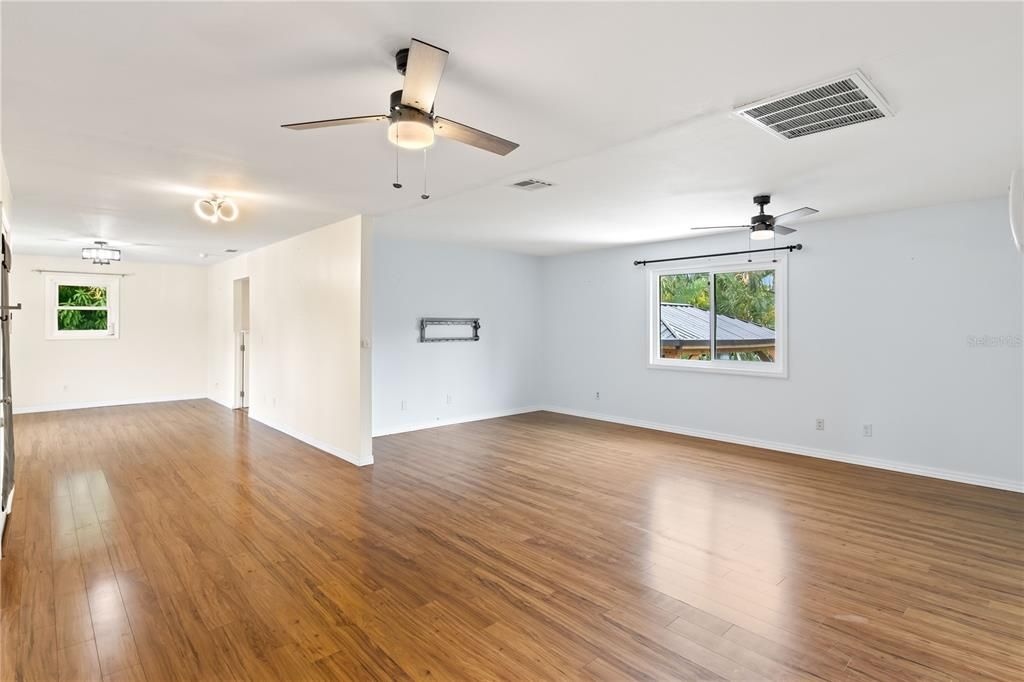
(835,103)
(531,185)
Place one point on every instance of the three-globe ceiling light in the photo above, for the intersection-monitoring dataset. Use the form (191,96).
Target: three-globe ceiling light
(216,208)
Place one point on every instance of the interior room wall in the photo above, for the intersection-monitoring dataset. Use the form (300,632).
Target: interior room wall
(160,353)
(885,316)
(310,317)
(418,385)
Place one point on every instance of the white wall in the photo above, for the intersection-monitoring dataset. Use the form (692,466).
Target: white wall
(494,376)
(160,353)
(309,309)
(881,309)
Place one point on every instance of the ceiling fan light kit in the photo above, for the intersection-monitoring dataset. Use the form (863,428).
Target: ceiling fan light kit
(412,122)
(410,128)
(216,208)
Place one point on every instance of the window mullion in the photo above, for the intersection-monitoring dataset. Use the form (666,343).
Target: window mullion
(713,318)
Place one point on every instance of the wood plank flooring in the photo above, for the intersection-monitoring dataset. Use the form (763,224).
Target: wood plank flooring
(182,541)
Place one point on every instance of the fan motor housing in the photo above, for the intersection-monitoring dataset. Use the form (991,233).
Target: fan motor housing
(400,111)
(405,113)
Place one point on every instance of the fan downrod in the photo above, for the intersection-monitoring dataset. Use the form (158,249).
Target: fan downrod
(762,220)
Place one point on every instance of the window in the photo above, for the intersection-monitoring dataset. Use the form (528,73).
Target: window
(81,306)
(729,317)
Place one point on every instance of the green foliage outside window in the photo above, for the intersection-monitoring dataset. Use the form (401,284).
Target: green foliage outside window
(748,296)
(76,296)
(691,289)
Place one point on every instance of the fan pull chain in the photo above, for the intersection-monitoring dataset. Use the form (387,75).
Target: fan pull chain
(749,247)
(396,184)
(424,195)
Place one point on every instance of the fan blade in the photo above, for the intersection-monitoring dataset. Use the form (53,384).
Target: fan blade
(723,227)
(471,136)
(798,213)
(422,75)
(331,122)
(782,229)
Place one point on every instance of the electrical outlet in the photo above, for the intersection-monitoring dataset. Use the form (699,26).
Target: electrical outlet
(869,431)
(819,424)
(597,395)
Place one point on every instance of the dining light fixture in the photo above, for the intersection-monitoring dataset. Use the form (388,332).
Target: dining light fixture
(101,254)
(215,208)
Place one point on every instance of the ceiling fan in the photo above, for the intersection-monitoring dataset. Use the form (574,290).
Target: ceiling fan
(764,225)
(413,124)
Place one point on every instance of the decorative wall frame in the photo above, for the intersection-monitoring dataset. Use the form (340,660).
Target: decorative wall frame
(472,322)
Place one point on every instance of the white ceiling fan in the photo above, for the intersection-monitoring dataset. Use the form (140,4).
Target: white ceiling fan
(764,225)
(413,124)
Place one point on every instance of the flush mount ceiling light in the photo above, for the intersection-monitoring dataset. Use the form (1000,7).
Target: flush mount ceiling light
(216,208)
(101,254)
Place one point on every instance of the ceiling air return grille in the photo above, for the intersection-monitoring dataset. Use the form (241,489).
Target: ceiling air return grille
(531,185)
(835,103)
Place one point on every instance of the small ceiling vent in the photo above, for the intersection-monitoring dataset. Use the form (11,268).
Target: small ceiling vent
(531,185)
(832,104)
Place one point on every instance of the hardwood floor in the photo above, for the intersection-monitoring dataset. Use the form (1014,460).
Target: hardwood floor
(183,541)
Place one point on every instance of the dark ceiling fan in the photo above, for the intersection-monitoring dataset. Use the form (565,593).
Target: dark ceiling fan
(764,225)
(413,124)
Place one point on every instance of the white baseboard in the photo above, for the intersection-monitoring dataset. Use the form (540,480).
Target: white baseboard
(418,426)
(60,407)
(874,463)
(318,444)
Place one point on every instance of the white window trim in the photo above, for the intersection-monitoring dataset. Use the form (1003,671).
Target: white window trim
(113,286)
(778,369)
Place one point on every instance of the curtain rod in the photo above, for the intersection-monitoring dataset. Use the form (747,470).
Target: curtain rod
(84,272)
(791,248)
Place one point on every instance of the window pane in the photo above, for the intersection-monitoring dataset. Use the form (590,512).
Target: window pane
(77,320)
(74,294)
(745,316)
(685,320)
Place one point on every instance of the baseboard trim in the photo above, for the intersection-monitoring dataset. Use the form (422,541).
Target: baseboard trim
(308,440)
(874,463)
(419,426)
(102,403)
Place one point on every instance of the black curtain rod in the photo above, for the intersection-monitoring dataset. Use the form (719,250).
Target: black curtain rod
(791,247)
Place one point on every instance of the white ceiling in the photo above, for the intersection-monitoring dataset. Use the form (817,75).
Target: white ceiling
(115,117)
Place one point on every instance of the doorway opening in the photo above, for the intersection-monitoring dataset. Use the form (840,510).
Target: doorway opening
(241,298)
